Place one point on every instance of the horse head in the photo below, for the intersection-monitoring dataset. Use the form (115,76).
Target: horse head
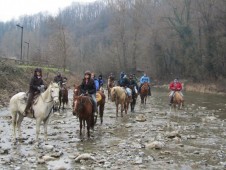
(78,104)
(54,90)
(77,90)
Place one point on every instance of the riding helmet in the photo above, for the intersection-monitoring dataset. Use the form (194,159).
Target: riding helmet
(88,72)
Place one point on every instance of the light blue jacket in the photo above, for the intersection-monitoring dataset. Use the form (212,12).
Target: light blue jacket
(144,79)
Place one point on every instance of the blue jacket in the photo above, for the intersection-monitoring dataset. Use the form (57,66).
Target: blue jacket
(101,82)
(96,84)
(144,79)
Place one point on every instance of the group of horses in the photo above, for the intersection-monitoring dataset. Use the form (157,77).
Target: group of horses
(82,105)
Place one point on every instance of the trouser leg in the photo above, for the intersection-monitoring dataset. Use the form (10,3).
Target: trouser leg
(95,102)
(29,103)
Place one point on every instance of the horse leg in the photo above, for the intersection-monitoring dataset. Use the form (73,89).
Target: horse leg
(116,109)
(19,121)
(80,120)
(88,127)
(38,123)
(14,122)
(122,108)
(45,127)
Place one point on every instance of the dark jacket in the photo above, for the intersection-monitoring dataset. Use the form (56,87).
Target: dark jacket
(34,84)
(58,79)
(125,82)
(90,86)
(133,84)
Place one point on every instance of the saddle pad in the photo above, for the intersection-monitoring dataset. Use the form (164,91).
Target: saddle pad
(98,97)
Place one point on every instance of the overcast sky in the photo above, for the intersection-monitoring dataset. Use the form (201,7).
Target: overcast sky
(12,9)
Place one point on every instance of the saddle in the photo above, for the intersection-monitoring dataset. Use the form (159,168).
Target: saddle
(98,97)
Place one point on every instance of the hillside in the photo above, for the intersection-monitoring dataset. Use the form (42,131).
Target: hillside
(14,79)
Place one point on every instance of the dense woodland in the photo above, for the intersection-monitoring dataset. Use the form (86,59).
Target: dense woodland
(165,38)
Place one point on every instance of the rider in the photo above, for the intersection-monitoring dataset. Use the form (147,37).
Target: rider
(88,87)
(174,86)
(125,83)
(58,78)
(120,81)
(101,81)
(36,87)
(95,81)
(133,83)
(135,78)
(145,79)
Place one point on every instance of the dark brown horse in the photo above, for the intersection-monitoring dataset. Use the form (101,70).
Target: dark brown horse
(83,108)
(110,85)
(100,103)
(144,93)
(134,98)
(63,96)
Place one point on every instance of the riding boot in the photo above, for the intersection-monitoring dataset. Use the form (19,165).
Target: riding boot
(29,104)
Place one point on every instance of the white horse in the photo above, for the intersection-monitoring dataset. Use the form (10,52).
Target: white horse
(42,109)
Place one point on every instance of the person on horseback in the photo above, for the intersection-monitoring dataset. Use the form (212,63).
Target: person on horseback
(58,79)
(111,77)
(133,83)
(95,81)
(36,87)
(88,87)
(145,79)
(135,78)
(125,83)
(174,86)
(101,81)
(120,81)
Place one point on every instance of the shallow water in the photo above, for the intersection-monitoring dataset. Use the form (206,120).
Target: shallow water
(120,142)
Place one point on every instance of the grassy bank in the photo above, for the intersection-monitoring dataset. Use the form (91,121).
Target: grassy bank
(14,79)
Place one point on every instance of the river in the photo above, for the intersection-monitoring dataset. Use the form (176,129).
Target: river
(192,138)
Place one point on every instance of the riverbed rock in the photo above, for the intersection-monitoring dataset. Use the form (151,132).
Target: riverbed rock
(155,145)
(141,118)
(173,134)
(48,158)
(48,147)
(85,156)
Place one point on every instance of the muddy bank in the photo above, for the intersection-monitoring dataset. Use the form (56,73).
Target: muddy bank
(151,138)
(14,79)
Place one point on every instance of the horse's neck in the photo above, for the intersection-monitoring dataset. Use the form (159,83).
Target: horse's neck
(45,95)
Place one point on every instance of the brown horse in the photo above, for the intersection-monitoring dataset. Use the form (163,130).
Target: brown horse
(144,93)
(63,96)
(110,85)
(100,103)
(118,95)
(83,108)
(178,100)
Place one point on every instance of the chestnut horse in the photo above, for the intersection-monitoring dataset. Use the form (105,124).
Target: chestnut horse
(100,103)
(118,95)
(83,108)
(144,93)
(178,100)
(111,83)
(63,96)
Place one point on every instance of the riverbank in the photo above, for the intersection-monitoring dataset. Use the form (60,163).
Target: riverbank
(208,88)
(14,79)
